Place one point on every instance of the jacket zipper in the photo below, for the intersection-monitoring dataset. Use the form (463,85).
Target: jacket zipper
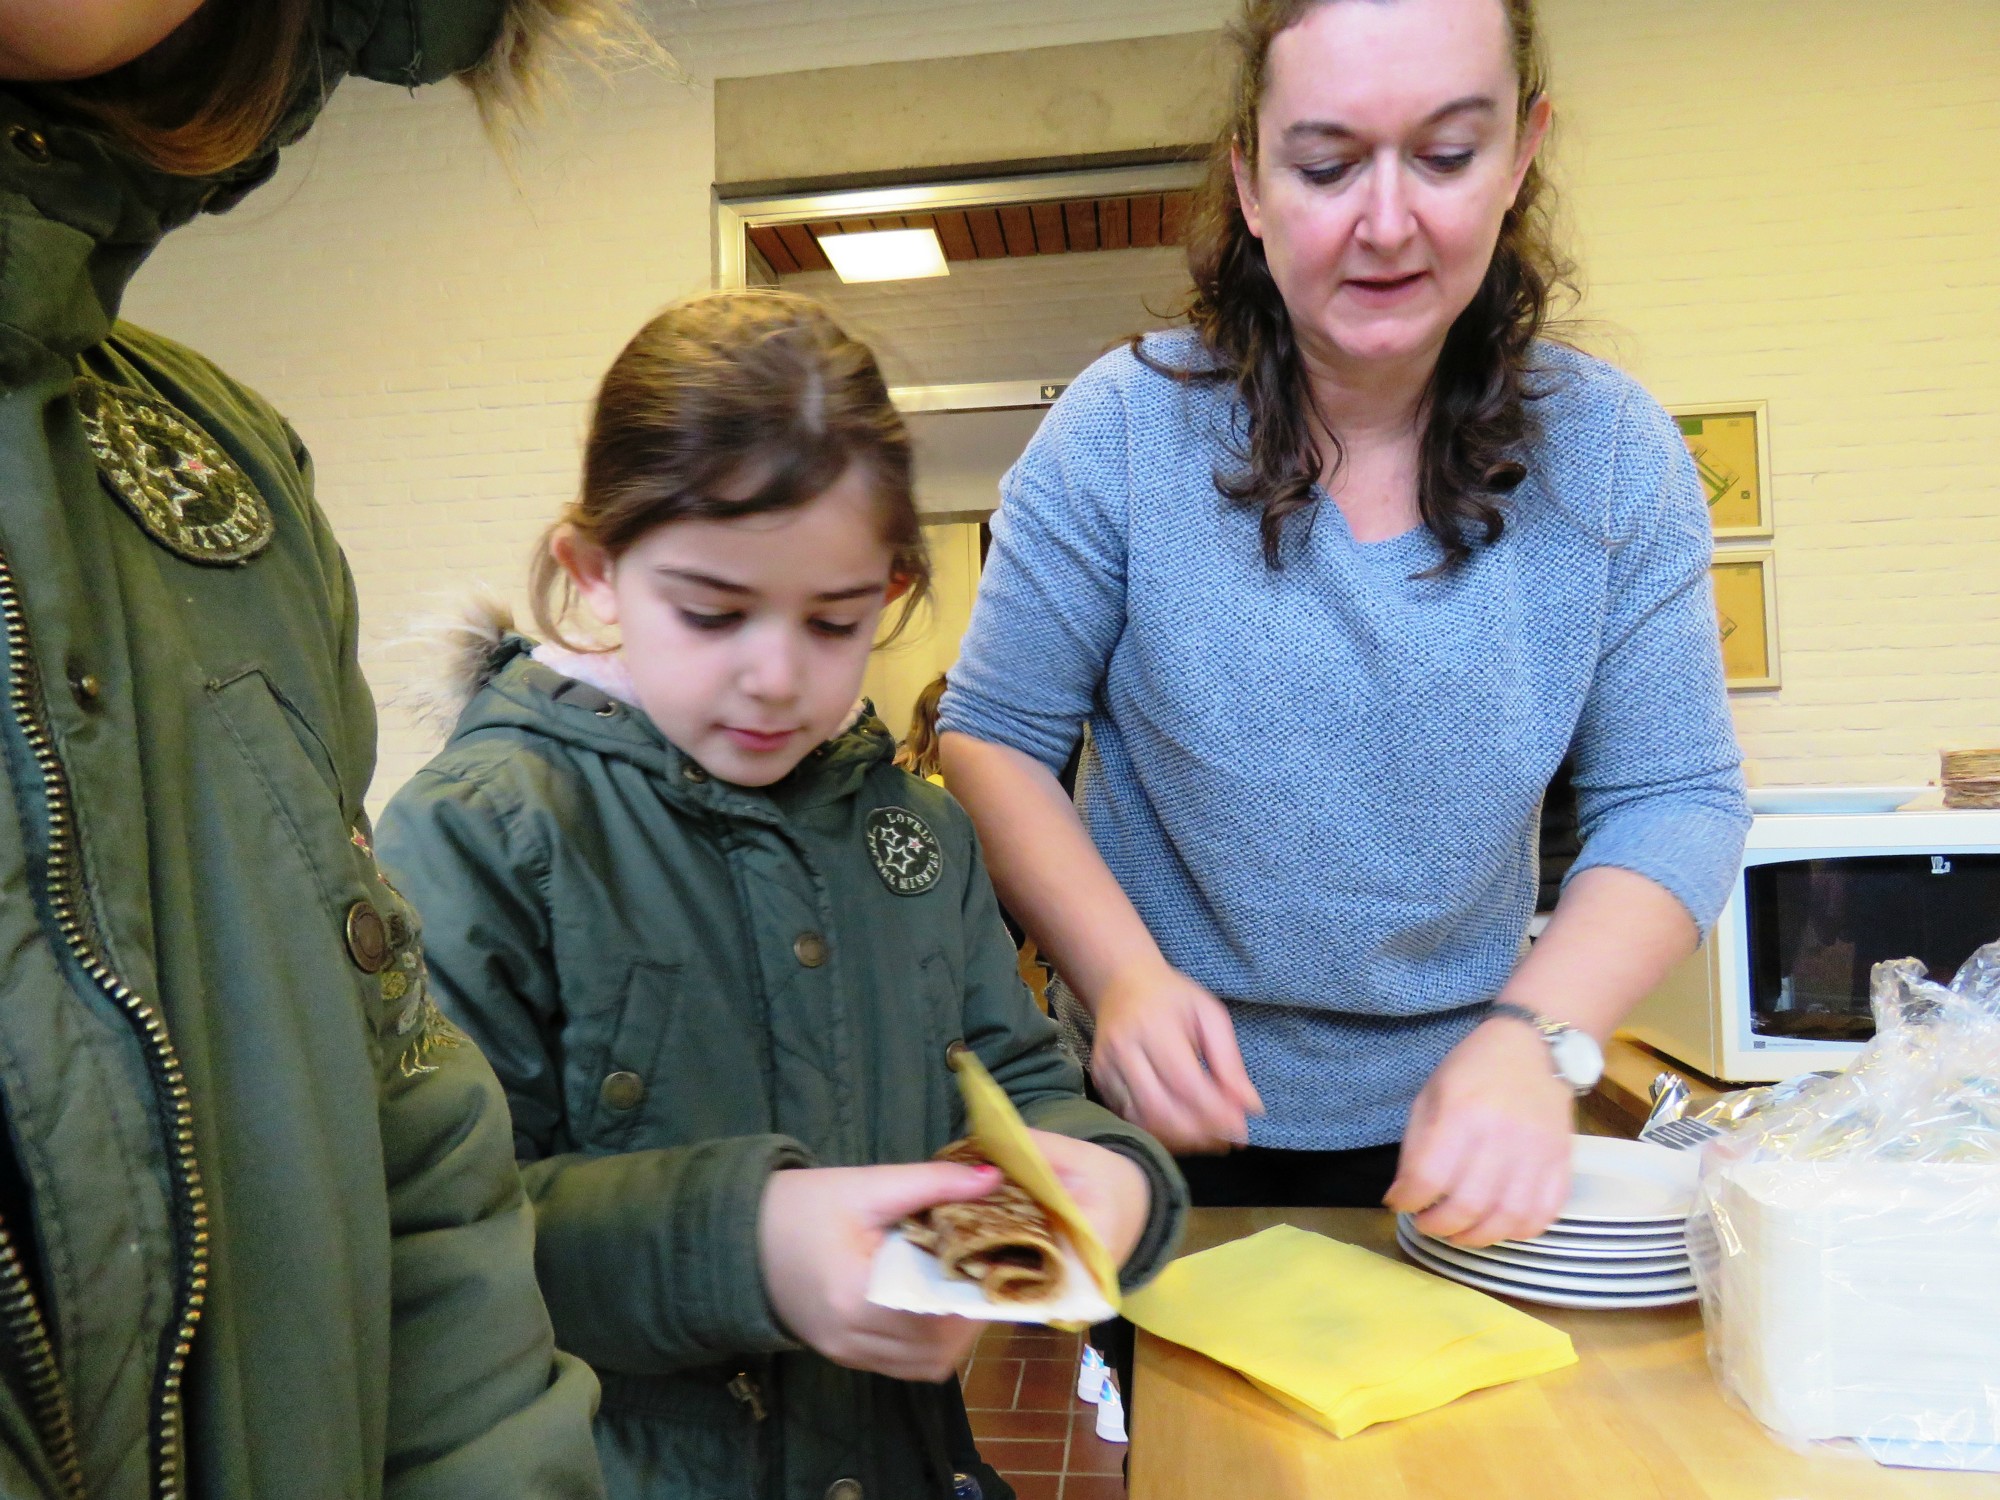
(49,1396)
(68,903)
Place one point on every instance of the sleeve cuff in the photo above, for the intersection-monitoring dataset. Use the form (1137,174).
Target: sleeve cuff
(1694,854)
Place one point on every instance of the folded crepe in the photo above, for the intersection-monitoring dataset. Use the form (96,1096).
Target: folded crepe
(1004,1242)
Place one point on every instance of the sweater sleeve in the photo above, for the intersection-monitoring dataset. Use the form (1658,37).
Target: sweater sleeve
(647,1259)
(1659,777)
(1051,599)
(1020,1048)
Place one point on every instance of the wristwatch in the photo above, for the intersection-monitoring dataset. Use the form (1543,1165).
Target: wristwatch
(1578,1060)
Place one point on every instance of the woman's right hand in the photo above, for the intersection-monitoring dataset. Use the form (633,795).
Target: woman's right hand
(817,1235)
(1165,1057)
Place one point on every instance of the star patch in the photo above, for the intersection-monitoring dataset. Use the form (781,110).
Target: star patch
(191,497)
(907,854)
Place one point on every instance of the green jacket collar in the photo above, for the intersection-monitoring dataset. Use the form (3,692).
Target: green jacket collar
(521,694)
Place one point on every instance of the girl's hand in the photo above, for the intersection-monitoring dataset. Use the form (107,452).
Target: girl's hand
(1487,1154)
(1165,1058)
(1108,1186)
(817,1236)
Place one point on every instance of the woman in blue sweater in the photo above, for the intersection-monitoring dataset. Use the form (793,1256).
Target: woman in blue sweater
(1338,576)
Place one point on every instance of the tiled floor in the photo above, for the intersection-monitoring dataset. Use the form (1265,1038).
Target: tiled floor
(1021,1390)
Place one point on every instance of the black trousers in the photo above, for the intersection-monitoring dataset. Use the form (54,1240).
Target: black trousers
(1264,1177)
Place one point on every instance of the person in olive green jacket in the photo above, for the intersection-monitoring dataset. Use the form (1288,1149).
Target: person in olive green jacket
(721,951)
(261,1232)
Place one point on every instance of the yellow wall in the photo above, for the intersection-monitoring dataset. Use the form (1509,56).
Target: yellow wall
(1800,202)
(898,672)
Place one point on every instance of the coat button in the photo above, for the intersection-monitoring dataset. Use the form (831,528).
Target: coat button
(87,688)
(622,1091)
(367,938)
(809,948)
(844,1489)
(30,143)
(952,1053)
(694,773)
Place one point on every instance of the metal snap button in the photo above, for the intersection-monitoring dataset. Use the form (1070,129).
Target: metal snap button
(622,1091)
(809,948)
(86,688)
(31,144)
(367,938)
(693,772)
(952,1053)
(844,1489)
(608,711)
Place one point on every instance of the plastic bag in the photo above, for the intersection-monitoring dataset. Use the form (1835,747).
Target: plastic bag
(1846,1237)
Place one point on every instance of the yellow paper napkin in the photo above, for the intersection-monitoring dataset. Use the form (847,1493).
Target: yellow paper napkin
(1341,1335)
(998,1130)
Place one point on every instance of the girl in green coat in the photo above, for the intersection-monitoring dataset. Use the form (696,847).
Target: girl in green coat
(719,949)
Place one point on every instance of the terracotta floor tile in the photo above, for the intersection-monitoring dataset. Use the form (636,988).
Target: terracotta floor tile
(1036,1486)
(1093,1487)
(1013,1456)
(1047,1385)
(993,1382)
(1089,1453)
(1025,1341)
(1019,1424)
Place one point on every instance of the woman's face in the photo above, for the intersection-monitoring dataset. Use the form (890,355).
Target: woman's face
(1388,155)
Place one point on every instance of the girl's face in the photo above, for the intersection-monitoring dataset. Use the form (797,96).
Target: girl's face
(746,640)
(1388,155)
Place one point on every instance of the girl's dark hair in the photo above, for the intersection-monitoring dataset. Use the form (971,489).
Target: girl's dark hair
(1475,416)
(208,97)
(747,386)
(918,754)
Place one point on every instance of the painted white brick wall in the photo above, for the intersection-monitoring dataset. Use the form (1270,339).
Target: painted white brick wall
(1800,202)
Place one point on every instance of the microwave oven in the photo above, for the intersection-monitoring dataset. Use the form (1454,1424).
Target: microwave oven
(1780,986)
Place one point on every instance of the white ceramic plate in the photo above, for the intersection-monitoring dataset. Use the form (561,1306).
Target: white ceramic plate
(1607,1277)
(1628,1184)
(1600,1249)
(1831,799)
(1543,1295)
(1549,1260)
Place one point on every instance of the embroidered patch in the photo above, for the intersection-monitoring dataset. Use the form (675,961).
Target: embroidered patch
(907,854)
(192,498)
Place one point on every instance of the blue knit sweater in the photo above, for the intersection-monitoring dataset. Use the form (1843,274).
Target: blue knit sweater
(1320,785)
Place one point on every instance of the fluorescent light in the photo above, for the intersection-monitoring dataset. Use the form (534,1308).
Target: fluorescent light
(885,254)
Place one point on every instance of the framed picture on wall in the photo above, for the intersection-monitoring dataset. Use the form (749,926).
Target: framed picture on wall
(1730,443)
(1746,613)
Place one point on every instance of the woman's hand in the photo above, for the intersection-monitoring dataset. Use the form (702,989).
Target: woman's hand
(1487,1154)
(817,1236)
(1107,1185)
(1165,1057)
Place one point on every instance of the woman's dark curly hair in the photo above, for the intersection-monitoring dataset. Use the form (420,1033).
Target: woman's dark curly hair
(1475,415)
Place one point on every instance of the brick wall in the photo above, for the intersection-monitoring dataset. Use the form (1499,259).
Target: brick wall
(1800,202)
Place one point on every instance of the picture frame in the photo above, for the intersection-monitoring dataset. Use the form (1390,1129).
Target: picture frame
(1746,610)
(1730,443)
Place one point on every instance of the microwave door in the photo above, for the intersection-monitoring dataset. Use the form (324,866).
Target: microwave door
(1817,927)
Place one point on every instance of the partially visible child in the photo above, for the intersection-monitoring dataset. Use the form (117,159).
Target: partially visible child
(719,949)
(918,754)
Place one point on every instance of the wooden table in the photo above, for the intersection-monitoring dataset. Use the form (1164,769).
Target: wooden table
(1638,1418)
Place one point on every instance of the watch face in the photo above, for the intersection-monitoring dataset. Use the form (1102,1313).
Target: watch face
(1578,1058)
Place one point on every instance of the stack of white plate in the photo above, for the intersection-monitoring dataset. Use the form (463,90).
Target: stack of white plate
(1621,1240)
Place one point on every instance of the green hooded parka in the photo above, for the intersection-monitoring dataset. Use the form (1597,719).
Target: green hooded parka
(261,1233)
(686,985)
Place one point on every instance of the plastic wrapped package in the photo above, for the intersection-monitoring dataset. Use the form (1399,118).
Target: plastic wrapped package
(1846,1237)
